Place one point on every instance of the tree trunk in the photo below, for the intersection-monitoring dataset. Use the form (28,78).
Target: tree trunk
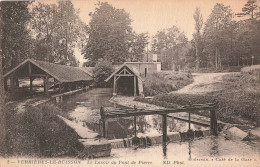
(2,94)
(219,61)
(216,58)
(197,58)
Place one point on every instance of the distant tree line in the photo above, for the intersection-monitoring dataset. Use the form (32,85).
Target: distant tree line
(51,32)
(219,42)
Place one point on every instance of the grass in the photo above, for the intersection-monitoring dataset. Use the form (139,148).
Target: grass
(237,102)
(213,69)
(38,132)
(165,82)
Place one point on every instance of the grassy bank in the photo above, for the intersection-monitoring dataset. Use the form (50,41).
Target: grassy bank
(165,82)
(38,132)
(237,102)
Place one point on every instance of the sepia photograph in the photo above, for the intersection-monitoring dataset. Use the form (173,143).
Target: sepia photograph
(144,83)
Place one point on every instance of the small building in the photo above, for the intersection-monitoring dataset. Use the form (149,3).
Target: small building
(145,68)
(127,81)
(59,77)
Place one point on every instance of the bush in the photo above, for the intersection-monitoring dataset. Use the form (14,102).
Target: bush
(251,73)
(39,132)
(165,82)
(102,71)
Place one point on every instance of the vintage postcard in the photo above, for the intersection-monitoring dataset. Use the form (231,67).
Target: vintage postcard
(89,83)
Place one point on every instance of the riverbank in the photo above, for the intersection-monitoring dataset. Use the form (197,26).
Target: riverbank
(236,96)
(165,82)
(36,131)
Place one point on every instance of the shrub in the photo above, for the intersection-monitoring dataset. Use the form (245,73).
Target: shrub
(102,71)
(39,132)
(251,73)
(165,82)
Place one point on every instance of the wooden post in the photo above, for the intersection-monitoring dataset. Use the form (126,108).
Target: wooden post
(16,82)
(189,120)
(135,125)
(134,85)
(135,121)
(164,122)
(103,121)
(54,84)
(12,83)
(106,128)
(30,69)
(46,85)
(31,84)
(5,84)
(213,123)
(114,88)
(60,88)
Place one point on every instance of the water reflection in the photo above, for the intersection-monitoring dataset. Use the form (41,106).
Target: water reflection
(164,145)
(190,142)
(85,107)
(214,149)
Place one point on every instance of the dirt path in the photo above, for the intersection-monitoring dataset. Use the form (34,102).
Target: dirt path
(203,83)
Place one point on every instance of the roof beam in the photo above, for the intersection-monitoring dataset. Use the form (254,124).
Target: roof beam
(124,75)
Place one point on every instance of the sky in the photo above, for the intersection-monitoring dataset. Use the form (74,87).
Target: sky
(154,15)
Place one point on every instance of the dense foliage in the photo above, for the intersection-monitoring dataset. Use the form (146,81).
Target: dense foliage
(165,82)
(170,46)
(111,36)
(16,43)
(102,71)
(57,30)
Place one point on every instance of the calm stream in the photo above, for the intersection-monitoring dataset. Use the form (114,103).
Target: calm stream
(85,107)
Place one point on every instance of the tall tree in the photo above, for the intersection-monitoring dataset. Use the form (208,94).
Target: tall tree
(138,45)
(248,33)
(58,30)
(109,34)
(170,46)
(247,41)
(71,31)
(43,25)
(216,35)
(250,8)
(197,16)
(16,40)
(2,94)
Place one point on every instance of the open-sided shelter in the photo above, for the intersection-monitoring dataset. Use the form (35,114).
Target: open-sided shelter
(64,77)
(126,81)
